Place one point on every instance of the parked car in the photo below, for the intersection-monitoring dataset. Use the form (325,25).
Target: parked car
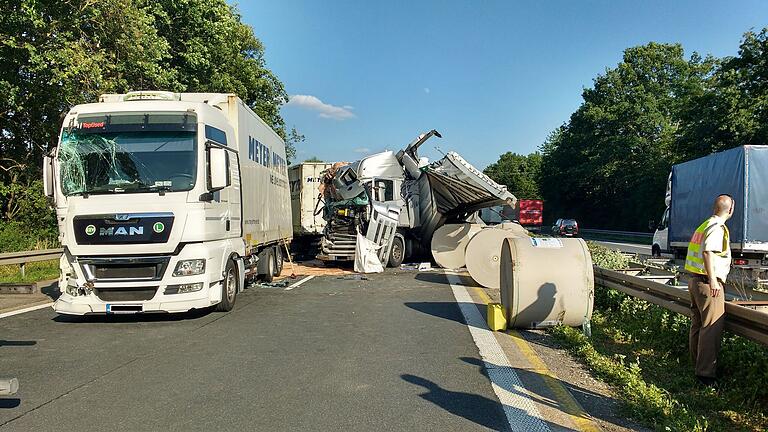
(566,228)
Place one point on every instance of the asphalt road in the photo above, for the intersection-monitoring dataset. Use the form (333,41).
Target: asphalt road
(396,351)
(389,353)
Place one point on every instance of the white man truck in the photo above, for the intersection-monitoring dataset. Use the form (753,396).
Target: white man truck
(165,202)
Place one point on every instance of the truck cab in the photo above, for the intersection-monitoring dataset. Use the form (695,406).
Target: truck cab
(150,205)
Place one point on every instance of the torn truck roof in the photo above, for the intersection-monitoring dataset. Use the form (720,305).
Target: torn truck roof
(460,188)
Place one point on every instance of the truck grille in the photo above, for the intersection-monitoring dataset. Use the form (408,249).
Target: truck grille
(125,293)
(124,268)
(339,246)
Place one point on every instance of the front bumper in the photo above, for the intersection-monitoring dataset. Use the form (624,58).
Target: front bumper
(131,295)
(175,303)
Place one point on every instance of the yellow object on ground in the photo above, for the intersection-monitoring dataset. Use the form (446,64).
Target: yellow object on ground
(497,321)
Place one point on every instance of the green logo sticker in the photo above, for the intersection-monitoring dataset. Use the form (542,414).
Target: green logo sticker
(90,230)
(158,227)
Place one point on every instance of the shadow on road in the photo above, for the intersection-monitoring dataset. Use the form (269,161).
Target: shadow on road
(9,403)
(51,290)
(478,409)
(446,310)
(17,343)
(134,318)
(438,278)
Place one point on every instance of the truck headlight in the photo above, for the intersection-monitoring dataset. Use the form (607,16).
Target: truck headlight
(184,288)
(190,267)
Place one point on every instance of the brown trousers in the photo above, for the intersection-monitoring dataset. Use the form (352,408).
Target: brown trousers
(707,321)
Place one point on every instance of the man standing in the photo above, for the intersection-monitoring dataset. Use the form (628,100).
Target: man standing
(708,262)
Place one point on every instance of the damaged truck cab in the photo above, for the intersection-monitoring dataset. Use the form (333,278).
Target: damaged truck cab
(165,202)
(364,197)
(398,200)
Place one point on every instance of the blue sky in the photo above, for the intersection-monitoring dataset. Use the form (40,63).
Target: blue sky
(491,76)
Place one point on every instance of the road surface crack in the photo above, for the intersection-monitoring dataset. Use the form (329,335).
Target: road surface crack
(70,391)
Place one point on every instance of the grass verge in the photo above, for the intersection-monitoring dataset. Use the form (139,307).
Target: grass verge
(642,351)
(35,271)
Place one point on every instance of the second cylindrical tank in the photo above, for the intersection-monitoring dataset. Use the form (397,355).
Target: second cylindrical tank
(450,241)
(483,253)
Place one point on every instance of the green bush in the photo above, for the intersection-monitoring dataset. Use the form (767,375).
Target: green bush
(642,350)
(32,223)
(16,236)
(607,258)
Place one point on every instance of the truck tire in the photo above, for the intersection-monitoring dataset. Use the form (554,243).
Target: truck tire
(656,251)
(397,253)
(229,288)
(269,274)
(278,260)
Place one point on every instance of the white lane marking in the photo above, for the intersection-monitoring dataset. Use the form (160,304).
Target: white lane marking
(296,284)
(28,309)
(519,408)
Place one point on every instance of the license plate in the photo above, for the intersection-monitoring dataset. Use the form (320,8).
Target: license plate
(124,309)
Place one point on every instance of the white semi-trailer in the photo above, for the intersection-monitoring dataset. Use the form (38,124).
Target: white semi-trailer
(306,207)
(165,202)
(305,179)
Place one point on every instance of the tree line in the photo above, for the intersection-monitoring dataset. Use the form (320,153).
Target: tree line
(607,166)
(56,54)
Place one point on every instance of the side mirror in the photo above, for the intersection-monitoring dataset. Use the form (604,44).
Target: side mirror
(48,175)
(218,169)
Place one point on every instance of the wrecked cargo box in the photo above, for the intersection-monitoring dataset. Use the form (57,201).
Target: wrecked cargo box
(397,201)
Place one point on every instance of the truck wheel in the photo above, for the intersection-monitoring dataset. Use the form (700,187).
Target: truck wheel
(229,288)
(656,251)
(278,261)
(397,253)
(269,275)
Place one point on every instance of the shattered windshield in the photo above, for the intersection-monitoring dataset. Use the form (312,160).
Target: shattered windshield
(127,161)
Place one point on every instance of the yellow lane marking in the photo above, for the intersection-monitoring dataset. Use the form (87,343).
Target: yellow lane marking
(483,295)
(569,404)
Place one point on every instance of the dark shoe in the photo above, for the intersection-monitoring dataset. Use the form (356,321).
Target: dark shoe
(707,381)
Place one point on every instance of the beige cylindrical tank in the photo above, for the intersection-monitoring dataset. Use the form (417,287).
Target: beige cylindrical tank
(514,227)
(483,253)
(546,281)
(449,243)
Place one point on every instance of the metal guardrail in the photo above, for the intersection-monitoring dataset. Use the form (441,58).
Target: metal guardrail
(22,258)
(739,319)
(617,233)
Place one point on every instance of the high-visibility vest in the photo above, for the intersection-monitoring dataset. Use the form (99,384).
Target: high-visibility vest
(694,261)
